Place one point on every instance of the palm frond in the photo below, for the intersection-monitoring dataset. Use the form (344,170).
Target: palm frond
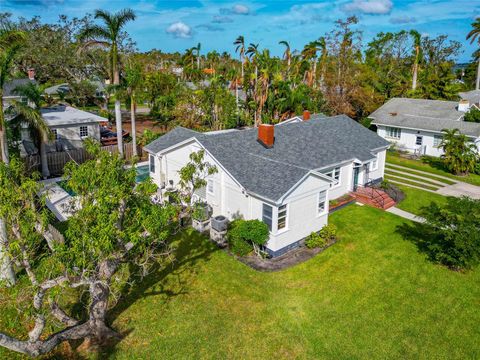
(32,117)
(95,32)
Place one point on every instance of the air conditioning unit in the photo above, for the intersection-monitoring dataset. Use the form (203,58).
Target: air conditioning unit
(219,223)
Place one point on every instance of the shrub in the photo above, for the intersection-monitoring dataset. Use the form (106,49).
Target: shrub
(253,233)
(314,240)
(239,247)
(328,233)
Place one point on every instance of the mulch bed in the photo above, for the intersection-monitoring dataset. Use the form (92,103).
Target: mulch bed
(291,258)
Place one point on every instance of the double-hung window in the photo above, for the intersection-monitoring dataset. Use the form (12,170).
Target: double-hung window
(267,212)
(210,187)
(437,139)
(393,132)
(374,164)
(322,202)
(419,140)
(55,133)
(335,175)
(282,217)
(152,163)
(83,131)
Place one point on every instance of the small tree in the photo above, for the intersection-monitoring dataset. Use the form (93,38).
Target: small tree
(194,174)
(460,155)
(115,232)
(254,233)
(451,234)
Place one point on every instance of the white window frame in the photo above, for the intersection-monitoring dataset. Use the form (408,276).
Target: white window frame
(325,203)
(421,140)
(393,132)
(265,205)
(151,164)
(285,208)
(83,129)
(336,175)
(437,139)
(374,164)
(210,187)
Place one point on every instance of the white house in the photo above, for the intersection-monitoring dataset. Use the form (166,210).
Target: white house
(416,125)
(70,127)
(284,175)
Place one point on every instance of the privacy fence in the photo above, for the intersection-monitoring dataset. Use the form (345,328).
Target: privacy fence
(57,160)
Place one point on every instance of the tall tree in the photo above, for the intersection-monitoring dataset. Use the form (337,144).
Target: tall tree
(11,41)
(107,242)
(474,35)
(417,43)
(287,55)
(240,48)
(109,35)
(133,79)
(197,49)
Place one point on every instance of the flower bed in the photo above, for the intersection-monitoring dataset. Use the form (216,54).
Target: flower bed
(341,202)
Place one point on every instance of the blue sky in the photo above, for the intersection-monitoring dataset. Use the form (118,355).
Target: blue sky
(178,24)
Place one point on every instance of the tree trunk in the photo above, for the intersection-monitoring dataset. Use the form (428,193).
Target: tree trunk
(477,85)
(134,130)
(4,144)
(43,157)
(414,78)
(118,111)
(6,267)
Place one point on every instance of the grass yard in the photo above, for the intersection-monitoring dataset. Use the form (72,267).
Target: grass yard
(433,166)
(405,180)
(370,296)
(415,199)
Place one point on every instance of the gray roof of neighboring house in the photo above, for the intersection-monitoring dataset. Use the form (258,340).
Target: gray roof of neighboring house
(10,86)
(67,115)
(299,148)
(432,115)
(472,96)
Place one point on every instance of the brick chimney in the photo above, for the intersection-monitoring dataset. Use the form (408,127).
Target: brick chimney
(31,73)
(306,115)
(266,135)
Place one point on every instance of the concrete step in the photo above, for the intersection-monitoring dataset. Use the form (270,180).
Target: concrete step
(412,186)
(399,178)
(401,172)
(420,171)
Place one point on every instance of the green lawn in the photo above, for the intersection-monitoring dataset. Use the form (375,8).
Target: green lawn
(370,296)
(426,179)
(416,199)
(392,177)
(434,167)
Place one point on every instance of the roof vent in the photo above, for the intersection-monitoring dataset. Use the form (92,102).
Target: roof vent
(266,135)
(393,114)
(306,115)
(463,105)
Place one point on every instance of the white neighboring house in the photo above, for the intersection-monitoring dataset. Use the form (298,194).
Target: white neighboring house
(416,125)
(287,185)
(70,127)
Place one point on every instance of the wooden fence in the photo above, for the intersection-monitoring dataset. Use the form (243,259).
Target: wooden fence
(57,160)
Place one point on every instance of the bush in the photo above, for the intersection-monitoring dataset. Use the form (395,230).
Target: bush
(314,240)
(239,247)
(253,233)
(326,235)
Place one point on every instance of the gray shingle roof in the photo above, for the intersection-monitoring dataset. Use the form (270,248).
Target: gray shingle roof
(433,115)
(9,86)
(299,148)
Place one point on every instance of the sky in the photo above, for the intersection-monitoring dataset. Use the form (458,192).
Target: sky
(175,25)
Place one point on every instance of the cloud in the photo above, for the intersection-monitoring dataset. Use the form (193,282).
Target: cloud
(375,7)
(237,9)
(210,27)
(179,30)
(403,20)
(221,19)
(42,3)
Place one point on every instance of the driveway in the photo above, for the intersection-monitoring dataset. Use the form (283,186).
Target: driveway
(460,189)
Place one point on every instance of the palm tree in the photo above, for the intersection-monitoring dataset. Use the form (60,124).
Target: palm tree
(11,41)
(240,43)
(133,79)
(309,54)
(322,44)
(109,35)
(197,49)
(417,41)
(33,119)
(474,35)
(287,55)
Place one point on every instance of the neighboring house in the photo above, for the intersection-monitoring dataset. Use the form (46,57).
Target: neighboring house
(62,90)
(9,93)
(416,125)
(70,127)
(284,175)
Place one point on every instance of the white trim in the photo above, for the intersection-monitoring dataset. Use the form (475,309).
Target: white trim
(420,129)
(325,206)
(311,172)
(287,211)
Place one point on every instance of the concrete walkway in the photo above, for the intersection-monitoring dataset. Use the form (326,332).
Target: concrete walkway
(405,214)
(420,171)
(460,189)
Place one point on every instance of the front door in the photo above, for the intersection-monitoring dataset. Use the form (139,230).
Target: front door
(356,172)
